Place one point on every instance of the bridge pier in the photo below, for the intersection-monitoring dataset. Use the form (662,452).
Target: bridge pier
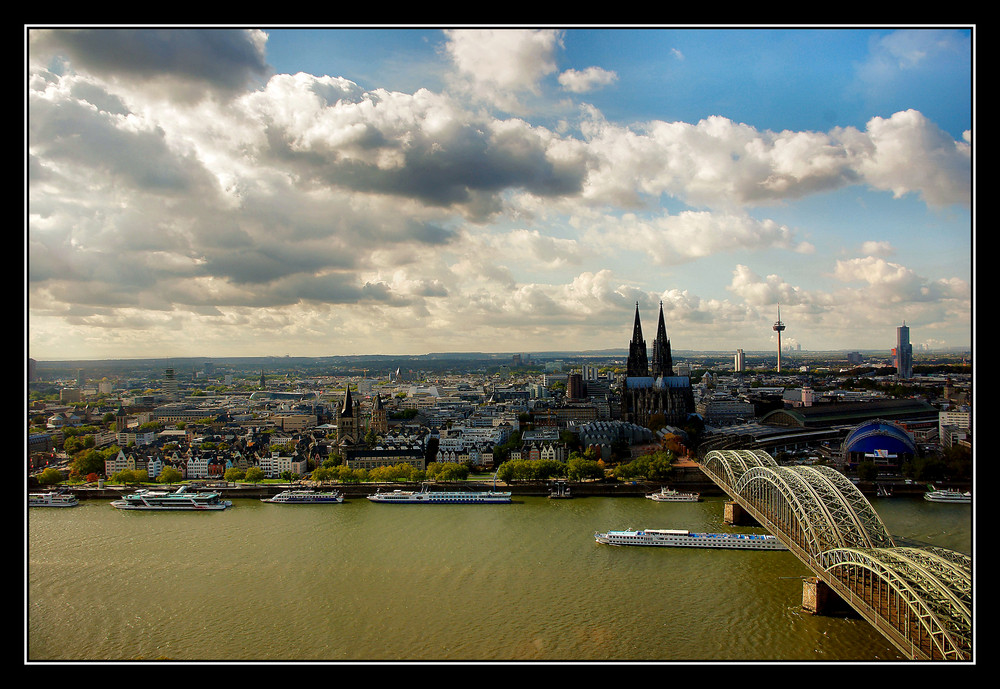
(819,599)
(737,516)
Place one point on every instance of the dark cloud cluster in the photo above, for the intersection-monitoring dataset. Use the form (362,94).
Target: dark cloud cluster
(189,63)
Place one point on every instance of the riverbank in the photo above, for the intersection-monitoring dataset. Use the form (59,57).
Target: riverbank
(688,478)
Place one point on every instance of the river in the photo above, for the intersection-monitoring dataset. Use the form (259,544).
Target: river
(369,582)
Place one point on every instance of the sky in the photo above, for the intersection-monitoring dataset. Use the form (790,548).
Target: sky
(307,191)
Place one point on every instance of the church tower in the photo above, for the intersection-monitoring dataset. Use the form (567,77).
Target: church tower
(663,364)
(347,423)
(121,418)
(380,421)
(637,363)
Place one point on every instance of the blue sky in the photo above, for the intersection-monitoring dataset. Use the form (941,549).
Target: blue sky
(197,192)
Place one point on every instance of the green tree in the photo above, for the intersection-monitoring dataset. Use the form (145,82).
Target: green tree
(579,468)
(323,473)
(128,476)
(254,475)
(233,474)
(89,461)
(447,471)
(655,466)
(50,477)
(170,475)
(346,474)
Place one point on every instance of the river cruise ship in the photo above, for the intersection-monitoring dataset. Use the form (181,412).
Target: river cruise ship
(425,496)
(670,495)
(687,539)
(305,497)
(948,495)
(180,499)
(52,499)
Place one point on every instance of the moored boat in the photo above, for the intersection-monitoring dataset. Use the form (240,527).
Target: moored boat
(181,499)
(688,539)
(52,499)
(669,495)
(305,497)
(425,496)
(948,495)
(560,490)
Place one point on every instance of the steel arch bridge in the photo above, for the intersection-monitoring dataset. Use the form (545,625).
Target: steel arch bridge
(920,599)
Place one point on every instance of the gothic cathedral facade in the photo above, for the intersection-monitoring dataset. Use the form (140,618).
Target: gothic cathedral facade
(650,392)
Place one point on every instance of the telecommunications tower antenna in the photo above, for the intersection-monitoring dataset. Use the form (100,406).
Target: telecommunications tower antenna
(778,327)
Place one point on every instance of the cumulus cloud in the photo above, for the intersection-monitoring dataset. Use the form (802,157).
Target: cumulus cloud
(874,294)
(907,153)
(501,65)
(166,192)
(582,81)
(893,283)
(719,163)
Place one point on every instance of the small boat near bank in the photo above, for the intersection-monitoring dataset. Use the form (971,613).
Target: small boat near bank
(52,499)
(181,499)
(669,495)
(560,491)
(680,538)
(305,497)
(948,495)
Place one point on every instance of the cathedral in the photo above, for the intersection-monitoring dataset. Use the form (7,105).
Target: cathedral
(650,392)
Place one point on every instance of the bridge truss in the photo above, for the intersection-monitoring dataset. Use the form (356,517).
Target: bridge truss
(918,598)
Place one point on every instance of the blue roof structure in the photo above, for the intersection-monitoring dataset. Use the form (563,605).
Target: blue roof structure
(877,436)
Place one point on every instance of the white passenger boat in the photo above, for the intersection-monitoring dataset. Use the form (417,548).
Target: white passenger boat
(948,495)
(668,495)
(52,499)
(687,539)
(305,497)
(425,496)
(181,499)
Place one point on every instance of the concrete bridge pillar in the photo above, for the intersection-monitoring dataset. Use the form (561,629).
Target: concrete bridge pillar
(820,599)
(737,516)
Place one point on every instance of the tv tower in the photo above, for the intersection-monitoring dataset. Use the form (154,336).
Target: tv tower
(778,327)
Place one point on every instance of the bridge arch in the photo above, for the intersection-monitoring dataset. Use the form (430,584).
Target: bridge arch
(920,598)
(924,594)
(816,507)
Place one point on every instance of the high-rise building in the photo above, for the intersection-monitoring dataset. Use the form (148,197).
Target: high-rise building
(903,353)
(739,361)
(170,384)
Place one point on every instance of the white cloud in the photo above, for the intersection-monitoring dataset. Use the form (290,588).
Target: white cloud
(908,153)
(722,164)
(500,65)
(582,81)
(309,199)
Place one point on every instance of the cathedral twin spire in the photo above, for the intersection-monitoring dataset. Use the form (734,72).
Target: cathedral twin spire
(638,364)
